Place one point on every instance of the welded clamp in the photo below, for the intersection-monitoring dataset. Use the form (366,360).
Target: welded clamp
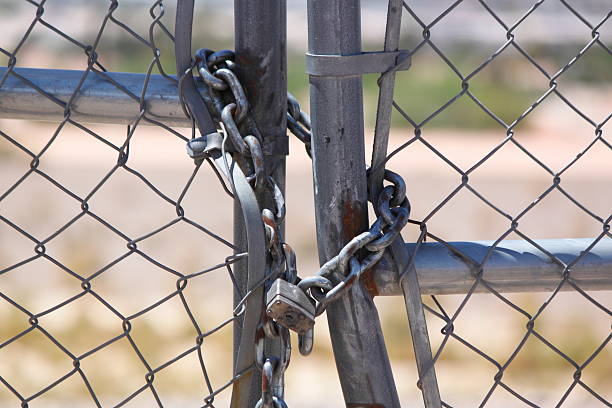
(357,64)
(201,147)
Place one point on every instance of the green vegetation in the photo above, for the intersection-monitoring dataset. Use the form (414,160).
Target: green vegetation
(423,95)
(422,90)
(507,87)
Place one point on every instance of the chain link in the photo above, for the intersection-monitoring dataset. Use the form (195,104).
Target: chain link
(339,274)
(336,276)
(229,104)
(298,123)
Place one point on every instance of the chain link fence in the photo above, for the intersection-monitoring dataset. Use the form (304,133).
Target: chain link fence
(526,363)
(113,255)
(116,262)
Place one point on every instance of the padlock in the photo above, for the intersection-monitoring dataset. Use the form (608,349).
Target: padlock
(289,306)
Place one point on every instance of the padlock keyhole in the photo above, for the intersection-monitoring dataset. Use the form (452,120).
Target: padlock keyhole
(289,317)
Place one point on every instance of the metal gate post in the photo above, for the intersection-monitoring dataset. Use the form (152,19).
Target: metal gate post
(260,45)
(334,28)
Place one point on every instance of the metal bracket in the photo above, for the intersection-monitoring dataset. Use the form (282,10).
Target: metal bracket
(357,64)
(201,147)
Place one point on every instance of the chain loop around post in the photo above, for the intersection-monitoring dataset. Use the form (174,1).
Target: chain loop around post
(242,139)
(337,275)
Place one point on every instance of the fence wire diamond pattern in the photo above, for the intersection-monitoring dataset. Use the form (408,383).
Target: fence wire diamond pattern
(37,333)
(449,315)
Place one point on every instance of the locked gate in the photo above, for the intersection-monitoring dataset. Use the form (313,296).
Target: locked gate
(133,273)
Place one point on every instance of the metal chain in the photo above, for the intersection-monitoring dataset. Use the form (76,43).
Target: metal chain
(229,105)
(339,274)
(298,122)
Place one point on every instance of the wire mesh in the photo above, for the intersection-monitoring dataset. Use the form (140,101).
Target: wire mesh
(84,317)
(43,205)
(493,23)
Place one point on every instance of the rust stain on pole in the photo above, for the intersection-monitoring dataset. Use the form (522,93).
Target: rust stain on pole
(352,211)
(368,282)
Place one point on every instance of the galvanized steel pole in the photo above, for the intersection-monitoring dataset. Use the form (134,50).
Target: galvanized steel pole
(511,266)
(260,45)
(98,99)
(341,203)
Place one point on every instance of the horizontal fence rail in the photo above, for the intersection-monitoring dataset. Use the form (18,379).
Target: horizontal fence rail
(513,266)
(109,97)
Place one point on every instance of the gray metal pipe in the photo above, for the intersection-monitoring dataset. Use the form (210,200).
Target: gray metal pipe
(341,203)
(514,266)
(98,101)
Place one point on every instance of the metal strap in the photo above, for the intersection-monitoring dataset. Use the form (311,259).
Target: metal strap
(409,283)
(357,64)
(182,50)
(256,241)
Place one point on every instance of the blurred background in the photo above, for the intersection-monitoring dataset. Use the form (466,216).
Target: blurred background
(553,133)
